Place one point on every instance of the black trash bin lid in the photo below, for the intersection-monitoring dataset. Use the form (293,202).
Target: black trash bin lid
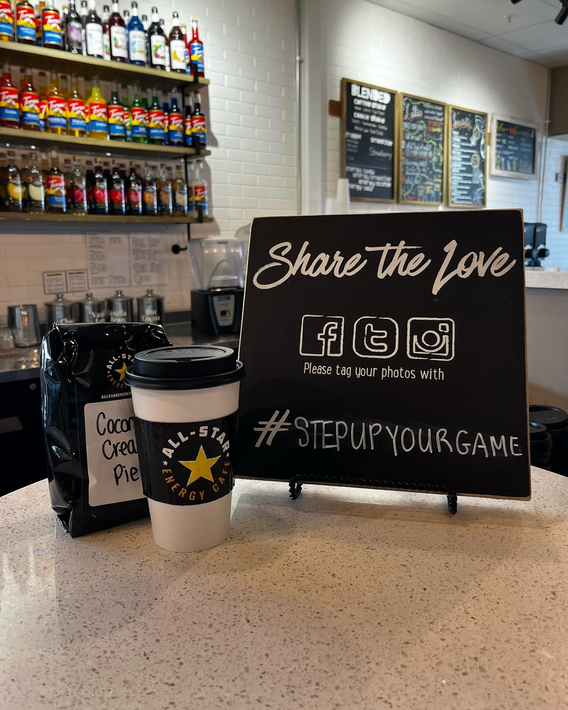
(188,367)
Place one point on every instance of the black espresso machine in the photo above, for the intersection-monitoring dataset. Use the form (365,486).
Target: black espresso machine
(535,243)
(217,268)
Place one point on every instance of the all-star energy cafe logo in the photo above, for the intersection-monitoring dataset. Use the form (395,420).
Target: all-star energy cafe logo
(209,468)
(116,369)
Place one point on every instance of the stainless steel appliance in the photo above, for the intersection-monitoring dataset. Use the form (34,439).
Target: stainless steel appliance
(150,308)
(61,310)
(121,308)
(217,297)
(92,310)
(535,243)
(24,323)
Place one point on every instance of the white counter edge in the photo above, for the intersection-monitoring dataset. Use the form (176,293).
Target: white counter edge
(547,279)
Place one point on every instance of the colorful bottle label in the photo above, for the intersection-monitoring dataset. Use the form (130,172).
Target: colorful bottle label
(42,114)
(198,128)
(158,49)
(25,24)
(9,104)
(117,195)
(200,197)
(118,44)
(106,44)
(56,191)
(100,195)
(6,19)
(15,191)
(74,33)
(29,108)
(94,39)
(177,54)
(166,198)
(79,196)
(116,127)
(137,46)
(196,55)
(56,112)
(139,122)
(51,28)
(156,124)
(187,129)
(150,198)
(98,117)
(175,128)
(126,122)
(36,195)
(180,199)
(134,196)
(77,109)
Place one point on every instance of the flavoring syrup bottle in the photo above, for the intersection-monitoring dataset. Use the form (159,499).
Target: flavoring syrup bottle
(179,193)
(176,42)
(198,125)
(78,189)
(200,191)
(29,103)
(78,125)
(94,46)
(196,49)
(73,30)
(9,101)
(149,193)
(137,51)
(115,111)
(175,123)
(42,91)
(157,134)
(98,202)
(97,111)
(117,35)
(56,188)
(6,21)
(14,185)
(164,187)
(126,113)
(166,112)
(117,194)
(51,27)
(134,191)
(56,107)
(156,43)
(36,186)
(138,119)
(25,22)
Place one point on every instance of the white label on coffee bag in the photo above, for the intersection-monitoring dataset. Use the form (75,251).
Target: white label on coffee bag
(112,456)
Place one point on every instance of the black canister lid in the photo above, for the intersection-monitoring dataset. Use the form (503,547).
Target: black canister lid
(189,367)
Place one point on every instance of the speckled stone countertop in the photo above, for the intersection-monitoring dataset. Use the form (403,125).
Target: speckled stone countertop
(344,598)
(546,279)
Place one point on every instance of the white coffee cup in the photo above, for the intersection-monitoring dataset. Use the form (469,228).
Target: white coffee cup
(185,402)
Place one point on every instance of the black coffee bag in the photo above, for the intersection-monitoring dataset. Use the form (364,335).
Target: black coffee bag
(92,458)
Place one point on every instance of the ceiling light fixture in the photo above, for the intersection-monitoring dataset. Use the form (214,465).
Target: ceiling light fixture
(515,2)
(563,14)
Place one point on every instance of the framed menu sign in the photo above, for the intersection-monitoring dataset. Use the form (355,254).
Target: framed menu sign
(396,354)
(467,146)
(368,133)
(514,153)
(422,151)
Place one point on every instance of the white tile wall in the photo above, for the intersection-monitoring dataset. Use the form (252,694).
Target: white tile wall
(553,191)
(250,60)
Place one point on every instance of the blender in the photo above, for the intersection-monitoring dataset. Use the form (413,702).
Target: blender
(217,297)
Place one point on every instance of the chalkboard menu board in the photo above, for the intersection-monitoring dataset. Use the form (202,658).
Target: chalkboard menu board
(368,141)
(514,150)
(387,347)
(422,150)
(467,150)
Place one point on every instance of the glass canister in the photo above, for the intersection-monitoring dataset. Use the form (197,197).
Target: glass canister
(150,308)
(120,308)
(92,310)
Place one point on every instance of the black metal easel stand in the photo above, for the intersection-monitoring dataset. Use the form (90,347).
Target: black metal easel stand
(296,487)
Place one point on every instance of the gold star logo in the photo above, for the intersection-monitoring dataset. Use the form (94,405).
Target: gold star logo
(121,371)
(201,467)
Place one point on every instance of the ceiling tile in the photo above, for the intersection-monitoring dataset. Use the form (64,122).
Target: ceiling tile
(459,28)
(504,46)
(542,60)
(501,16)
(403,8)
(537,37)
(560,54)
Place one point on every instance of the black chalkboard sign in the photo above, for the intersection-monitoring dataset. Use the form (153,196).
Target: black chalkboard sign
(467,146)
(368,156)
(422,150)
(514,150)
(387,346)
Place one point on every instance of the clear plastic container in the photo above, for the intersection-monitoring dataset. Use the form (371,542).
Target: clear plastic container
(216,263)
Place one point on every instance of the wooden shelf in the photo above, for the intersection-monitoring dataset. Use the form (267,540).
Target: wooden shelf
(16,137)
(95,218)
(65,62)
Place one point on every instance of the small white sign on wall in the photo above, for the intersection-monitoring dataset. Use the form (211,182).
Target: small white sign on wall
(108,260)
(147,259)
(77,280)
(54,282)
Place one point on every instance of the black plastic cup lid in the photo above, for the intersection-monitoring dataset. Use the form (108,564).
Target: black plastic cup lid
(180,368)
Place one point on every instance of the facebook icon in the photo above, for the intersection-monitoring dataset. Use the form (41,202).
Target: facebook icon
(321,336)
